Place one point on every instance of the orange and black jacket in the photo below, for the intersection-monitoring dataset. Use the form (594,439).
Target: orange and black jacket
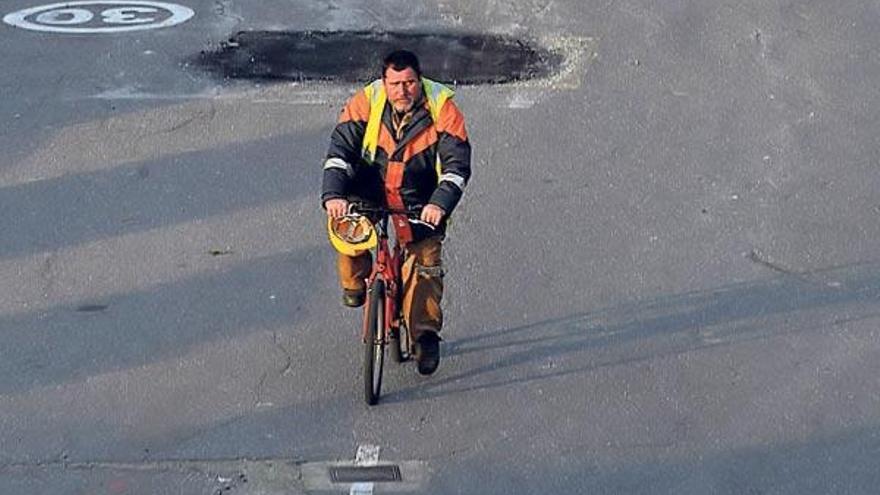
(348,175)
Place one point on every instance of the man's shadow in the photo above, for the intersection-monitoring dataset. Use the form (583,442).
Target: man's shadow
(663,326)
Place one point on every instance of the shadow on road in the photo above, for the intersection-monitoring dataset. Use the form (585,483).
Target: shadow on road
(65,343)
(663,326)
(73,209)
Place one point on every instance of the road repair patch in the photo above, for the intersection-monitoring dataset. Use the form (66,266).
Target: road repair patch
(352,56)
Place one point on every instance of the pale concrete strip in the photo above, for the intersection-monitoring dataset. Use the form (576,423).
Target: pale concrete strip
(240,476)
(292,94)
(141,260)
(243,476)
(188,126)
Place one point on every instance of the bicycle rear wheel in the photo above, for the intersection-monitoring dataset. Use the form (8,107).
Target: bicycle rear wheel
(374,344)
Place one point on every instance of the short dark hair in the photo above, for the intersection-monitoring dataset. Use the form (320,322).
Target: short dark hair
(401,60)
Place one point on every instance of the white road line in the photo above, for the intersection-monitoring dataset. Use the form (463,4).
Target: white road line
(520,100)
(367,455)
(361,489)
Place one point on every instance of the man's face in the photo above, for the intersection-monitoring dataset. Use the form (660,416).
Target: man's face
(403,88)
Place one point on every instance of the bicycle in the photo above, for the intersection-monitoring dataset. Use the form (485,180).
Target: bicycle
(384,299)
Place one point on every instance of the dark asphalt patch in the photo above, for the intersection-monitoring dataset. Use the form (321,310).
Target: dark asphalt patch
(356,56)
(91,308)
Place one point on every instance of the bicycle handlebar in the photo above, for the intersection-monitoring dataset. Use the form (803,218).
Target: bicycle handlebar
(412,214)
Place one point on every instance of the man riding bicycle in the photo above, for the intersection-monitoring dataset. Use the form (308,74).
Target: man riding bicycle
(401,143)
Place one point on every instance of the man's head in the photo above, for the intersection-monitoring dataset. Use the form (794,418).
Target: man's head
(401,76)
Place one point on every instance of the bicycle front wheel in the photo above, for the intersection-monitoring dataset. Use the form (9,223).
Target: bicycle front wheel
(374,343)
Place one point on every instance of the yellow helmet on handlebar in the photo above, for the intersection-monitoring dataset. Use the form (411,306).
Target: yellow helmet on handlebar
(352,235)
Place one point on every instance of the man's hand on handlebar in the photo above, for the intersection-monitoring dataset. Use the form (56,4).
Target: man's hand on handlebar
(432,214)
(336,207)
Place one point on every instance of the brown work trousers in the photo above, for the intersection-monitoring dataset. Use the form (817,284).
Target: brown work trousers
(422,283)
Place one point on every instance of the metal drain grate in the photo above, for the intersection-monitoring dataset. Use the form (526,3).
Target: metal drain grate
(365,474)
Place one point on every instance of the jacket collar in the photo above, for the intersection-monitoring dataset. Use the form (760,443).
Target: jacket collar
(421,120)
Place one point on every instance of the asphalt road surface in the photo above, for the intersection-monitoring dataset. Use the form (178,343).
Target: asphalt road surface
(664,277)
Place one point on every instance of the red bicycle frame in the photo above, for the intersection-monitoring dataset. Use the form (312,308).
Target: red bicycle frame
(388,264)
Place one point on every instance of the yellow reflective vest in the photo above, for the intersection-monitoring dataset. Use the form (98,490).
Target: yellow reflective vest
(434,92)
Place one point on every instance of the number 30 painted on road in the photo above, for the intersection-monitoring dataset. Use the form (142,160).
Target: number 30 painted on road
(102,16)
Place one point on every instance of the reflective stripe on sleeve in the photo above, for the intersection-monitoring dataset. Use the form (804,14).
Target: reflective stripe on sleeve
(339,163)
(454,178)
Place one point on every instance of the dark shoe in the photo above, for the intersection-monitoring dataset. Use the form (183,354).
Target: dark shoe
(353,298)
(428,352)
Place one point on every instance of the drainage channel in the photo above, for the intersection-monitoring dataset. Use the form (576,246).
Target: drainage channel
(365,474)
(346,56)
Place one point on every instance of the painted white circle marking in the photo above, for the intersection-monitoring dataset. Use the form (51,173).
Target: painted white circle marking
(65,16)
(99,16)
